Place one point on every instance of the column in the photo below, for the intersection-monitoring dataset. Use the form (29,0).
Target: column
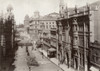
(57,36)
(60,40)
(75,44)
(85,51)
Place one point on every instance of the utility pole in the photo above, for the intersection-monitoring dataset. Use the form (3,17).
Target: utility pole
(88,36)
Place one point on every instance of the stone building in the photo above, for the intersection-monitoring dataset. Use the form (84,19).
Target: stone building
(34,26)
(7,37)
(40,26)
(95,21)
(49,22)
(95,56)
(78,27)
(95,36)
(74,37)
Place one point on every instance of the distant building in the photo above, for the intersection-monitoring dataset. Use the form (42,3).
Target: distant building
(34,26)
(53,38)
(49,22)
(20,31)
(26,23)
(40,26)
(36,14)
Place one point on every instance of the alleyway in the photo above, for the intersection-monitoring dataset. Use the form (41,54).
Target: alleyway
(21,61)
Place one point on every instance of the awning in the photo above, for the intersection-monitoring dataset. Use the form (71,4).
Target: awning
(94,69)
(25,43)
(51,49)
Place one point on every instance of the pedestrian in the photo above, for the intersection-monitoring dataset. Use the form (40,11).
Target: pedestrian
(27,51)
(42,54)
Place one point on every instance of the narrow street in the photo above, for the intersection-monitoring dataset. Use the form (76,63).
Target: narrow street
(21,61)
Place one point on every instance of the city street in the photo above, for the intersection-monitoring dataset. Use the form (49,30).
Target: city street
(49,35)
(21,61)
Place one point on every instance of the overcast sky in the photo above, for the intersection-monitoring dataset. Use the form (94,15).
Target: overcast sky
(23,7)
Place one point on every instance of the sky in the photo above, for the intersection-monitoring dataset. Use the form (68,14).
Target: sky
(27,7)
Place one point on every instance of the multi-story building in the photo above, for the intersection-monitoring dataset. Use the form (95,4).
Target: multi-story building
(77,28)
(95,56)
(49,22)
(7,37)
(41,26)
(21,32)
(95,21)
(95,39)
(34,26)
(74,37)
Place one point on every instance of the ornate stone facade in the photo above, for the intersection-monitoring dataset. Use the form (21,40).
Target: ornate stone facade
(74,38)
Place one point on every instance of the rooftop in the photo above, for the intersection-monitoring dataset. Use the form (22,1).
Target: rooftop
(93,6)
(51,16)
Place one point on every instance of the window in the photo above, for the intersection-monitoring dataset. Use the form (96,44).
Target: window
(52,22)
(50,26)
(96,57)
(44,26)
(53,26)
(47,26)
(35,22)
(76,27)
(81,41)
(96,8)
(76,38)
(81,58)
(35,27)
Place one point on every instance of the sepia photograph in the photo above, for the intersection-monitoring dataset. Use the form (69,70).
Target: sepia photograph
(49,35)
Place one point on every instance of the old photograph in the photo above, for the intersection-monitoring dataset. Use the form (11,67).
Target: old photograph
(49,35)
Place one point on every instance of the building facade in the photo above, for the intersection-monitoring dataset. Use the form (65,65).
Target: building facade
(95,21)
(74,37)
(49,22)
(7,37)
(95,56)
(77,28)
(40,27)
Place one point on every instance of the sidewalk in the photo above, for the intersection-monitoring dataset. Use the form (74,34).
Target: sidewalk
(44,63)
(54,60)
